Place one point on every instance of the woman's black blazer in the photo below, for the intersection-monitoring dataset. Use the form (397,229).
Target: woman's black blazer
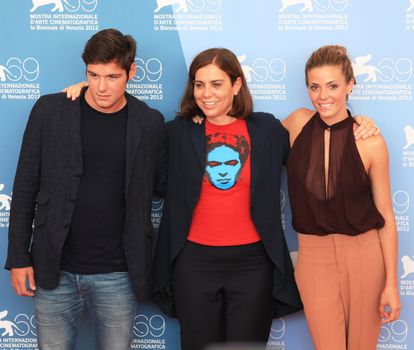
(187,155)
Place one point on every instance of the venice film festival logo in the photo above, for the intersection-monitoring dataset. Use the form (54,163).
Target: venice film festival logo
(282,209)
(18,78)
(64,5)
(401,205)
(383,79)
(407,157)
(310,15)
(409,136)
(265,77)
(408,266)
(409,16)
(149,331)
(22,326)
(5,202)
(277,332)
(156,213)
(192,5)
(393,335)
(406,278)
(63,15)
(147,81)
(193,15)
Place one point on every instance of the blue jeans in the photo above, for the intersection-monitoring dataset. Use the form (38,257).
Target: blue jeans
(109,299)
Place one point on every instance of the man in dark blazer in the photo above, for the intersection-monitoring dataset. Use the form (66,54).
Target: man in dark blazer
(80,227)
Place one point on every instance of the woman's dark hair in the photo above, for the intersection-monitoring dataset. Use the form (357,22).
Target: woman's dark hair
(227,62)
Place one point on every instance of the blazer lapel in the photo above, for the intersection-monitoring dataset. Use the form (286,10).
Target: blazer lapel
(133,138)
(256,146)
(75,131)
(198,136)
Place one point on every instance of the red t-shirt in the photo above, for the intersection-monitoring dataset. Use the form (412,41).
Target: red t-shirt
(222,215)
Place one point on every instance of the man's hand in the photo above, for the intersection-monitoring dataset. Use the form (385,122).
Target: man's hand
(21,278)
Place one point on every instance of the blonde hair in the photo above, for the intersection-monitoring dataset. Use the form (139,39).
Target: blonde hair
(331,55)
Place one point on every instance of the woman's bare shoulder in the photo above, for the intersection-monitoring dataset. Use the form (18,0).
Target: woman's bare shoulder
(295,122)
(373,151)
(298,118)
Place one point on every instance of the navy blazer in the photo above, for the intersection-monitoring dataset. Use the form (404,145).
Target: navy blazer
(48,175)
(186,167)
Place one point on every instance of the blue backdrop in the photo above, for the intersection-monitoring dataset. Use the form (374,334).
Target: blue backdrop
(42,41)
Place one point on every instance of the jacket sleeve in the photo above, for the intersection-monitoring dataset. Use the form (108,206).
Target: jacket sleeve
(283,137)
(285,142)
(25,188)
(162,164)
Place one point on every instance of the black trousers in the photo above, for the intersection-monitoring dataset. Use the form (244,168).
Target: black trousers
(223,294)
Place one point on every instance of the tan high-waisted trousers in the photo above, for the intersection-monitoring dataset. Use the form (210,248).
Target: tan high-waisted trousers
(340,280)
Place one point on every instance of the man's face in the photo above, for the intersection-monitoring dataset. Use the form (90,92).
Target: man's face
(223,167)
(107,83)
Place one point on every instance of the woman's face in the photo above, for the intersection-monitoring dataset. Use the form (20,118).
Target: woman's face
(328,91)
(214,93)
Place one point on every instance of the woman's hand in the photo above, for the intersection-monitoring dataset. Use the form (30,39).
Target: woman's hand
(74,91)
(197,119)
(366,128)
(390,304)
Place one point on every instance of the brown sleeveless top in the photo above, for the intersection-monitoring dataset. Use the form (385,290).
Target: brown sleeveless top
(343,202)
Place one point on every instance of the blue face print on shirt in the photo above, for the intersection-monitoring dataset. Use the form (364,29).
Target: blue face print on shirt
(223,167)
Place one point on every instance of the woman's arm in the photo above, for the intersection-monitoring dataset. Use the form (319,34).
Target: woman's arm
(377,153)
(296,121)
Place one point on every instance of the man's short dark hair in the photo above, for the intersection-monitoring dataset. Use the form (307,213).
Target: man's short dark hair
(110,45)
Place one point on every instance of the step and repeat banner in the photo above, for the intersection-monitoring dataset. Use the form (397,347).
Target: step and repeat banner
(41,44)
